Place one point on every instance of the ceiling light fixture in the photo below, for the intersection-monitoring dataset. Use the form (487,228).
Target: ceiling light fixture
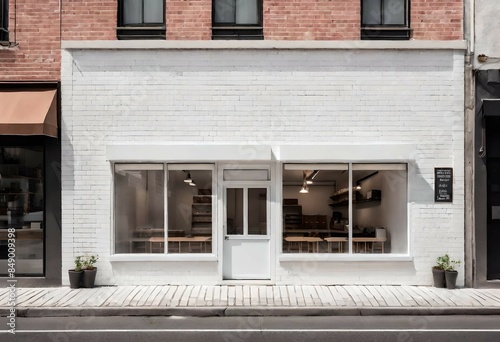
(188,178)
(309,180)
(359,181)
(304,189)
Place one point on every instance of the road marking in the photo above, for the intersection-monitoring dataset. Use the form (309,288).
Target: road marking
(249,330)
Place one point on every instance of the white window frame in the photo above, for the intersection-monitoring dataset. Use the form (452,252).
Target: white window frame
(333,165)
(165,256)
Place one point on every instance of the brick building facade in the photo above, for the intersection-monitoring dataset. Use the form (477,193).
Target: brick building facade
(30,141)
(255,101)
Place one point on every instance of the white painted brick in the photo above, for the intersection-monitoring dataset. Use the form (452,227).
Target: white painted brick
(270,97)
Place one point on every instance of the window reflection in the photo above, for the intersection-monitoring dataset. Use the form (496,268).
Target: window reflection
(22,207)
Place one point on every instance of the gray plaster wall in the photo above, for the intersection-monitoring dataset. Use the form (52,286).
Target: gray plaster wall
(487,28)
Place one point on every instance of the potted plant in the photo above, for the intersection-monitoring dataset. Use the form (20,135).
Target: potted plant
(75,275)
(89,270)
(438,271)
(450,273)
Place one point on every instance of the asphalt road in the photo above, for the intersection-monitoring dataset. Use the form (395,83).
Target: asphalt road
(261,329)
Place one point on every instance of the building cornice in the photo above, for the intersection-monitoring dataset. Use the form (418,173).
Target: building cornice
(263,45)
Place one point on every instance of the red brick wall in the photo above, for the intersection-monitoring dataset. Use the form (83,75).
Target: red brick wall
(340,19)
(283,19)
(437,19)
(311,19)
(189,19)
(89,19)
(97,19)
(36,30)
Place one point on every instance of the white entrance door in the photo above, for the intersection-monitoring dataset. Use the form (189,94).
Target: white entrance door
(246,246)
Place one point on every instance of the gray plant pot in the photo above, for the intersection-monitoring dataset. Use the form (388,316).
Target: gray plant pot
(75,278)
(451,279)
(439,278)
(89,277)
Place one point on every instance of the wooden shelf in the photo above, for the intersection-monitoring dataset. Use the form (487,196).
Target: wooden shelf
(292,216)
(201,215)
(345,203)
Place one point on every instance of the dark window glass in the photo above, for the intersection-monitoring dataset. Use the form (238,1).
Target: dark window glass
(22,209)
(4,20)
(141,19)
(385,19)
(237,19)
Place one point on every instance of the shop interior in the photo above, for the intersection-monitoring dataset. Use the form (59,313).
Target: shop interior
(316,209)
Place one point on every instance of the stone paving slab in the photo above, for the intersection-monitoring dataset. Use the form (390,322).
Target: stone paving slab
(250,300)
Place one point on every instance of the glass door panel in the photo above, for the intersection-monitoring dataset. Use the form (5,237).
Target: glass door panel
(257,211)
(235,211)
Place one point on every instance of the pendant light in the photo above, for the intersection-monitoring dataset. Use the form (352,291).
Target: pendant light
(188,178)
(305,188)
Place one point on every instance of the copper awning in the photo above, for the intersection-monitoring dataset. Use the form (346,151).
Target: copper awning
(28,112)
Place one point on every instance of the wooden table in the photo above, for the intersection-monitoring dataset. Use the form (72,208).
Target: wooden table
(339,240)
(311,242)
(367,242)
(148,242)
(202,240)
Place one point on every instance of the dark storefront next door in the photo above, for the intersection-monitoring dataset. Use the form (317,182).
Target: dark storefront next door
(493,196)
(30,183)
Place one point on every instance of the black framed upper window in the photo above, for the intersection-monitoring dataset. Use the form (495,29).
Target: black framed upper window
(385,19)
(4,21)
(237,19)
(141,19)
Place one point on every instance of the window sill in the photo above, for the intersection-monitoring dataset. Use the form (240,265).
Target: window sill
(386,33)
(237,33)
(162,257)
(8,45)
(345,257)
(141,33)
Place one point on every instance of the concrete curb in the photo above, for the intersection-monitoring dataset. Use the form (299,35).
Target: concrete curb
(248,311)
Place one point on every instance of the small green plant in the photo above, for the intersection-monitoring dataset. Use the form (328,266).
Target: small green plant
(445,263)
(451,265)
(89,262)
(440,263)
(78,263)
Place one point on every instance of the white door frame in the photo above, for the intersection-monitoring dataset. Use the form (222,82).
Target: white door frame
(271,217)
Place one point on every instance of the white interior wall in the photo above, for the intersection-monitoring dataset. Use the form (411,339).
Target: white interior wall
(316,202)
(390,212)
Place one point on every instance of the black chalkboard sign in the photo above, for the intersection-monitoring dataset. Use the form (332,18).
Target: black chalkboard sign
(443,184)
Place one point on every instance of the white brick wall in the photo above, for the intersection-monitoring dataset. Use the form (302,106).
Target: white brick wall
(275,97)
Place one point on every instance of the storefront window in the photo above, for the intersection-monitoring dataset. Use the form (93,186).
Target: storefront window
(22,208)
(141,208)
(319,200)
(379,208)
(190,203)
